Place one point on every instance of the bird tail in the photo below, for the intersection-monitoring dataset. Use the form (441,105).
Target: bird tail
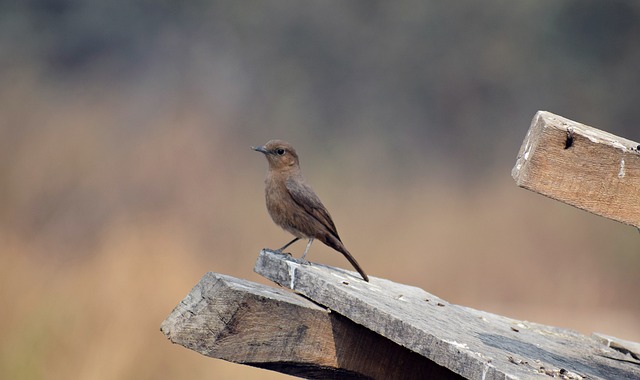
(338,246)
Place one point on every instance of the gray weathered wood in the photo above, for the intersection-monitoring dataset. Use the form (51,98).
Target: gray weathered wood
(582,166)
(249,323)
(472,343)
(624,346)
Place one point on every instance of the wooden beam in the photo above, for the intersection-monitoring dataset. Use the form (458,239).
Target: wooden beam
(625,346)
(252,324)
(582,166)
(472,343)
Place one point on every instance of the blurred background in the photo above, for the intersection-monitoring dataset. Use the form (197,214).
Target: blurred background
(126,174)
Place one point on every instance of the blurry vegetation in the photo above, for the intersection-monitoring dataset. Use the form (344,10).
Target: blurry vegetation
(125,172)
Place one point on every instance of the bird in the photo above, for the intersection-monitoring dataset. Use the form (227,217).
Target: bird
(294,206)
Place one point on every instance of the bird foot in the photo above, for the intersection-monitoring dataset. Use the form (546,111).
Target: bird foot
(302,260)
(278,251)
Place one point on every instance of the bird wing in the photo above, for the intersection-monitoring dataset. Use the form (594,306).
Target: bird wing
(303,195)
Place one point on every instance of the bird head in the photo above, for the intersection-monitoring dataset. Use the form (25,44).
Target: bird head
(280,154)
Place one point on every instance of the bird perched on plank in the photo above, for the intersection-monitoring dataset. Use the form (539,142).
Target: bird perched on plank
(294,206)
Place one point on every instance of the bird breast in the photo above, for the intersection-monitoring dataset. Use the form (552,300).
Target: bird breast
(284,211)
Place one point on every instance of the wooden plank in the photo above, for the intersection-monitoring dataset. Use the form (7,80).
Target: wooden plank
(582,166)
(472,343)
(624,346)
(252,324)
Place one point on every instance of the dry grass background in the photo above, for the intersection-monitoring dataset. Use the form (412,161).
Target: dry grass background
(104,230)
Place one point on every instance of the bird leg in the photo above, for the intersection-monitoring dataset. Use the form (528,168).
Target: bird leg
(279,250)
(307,249)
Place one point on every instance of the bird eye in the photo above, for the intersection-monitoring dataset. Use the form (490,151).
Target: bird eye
(280,151)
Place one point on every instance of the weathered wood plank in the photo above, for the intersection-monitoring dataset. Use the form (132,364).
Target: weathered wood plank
(582,166)
(472,343)
(249,323)
(624,346)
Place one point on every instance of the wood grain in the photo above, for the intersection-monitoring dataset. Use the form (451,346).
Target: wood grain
(472,343)
(248,323)
(581,166)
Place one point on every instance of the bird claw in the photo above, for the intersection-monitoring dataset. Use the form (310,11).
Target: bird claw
(278,251)
(302,260)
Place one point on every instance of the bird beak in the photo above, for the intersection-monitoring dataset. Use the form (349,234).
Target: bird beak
(260,149)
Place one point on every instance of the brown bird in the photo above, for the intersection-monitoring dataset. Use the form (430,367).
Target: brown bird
(294,206)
